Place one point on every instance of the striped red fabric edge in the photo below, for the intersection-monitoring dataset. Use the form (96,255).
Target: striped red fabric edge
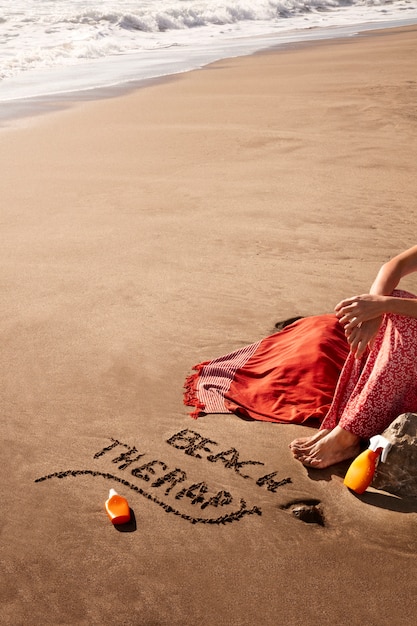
(205,390)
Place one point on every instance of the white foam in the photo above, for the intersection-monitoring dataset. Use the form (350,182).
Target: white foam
(54,47)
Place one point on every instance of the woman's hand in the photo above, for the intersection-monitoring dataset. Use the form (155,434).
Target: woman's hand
(358,309)
(361,318)
(362,336)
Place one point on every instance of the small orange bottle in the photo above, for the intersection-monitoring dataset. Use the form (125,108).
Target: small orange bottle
(361,472)
(117,508)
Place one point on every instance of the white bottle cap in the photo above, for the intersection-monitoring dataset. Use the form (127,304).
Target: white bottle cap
(378,441)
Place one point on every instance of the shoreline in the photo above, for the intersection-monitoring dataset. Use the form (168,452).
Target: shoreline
(31,107)
(146,233)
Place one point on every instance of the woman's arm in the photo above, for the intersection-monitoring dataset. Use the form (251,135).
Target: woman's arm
(361,315)
(391,272)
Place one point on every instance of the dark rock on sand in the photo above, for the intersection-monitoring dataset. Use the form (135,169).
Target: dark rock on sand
(308,511)
(398,475)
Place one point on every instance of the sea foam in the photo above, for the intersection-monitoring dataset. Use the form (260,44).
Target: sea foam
(51,47)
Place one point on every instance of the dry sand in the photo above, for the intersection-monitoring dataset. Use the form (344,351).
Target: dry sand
(143,234)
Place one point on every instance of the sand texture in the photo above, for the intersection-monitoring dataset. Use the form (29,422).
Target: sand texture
(143,234)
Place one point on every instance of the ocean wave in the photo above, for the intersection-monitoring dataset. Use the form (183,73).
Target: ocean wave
(39,34)
(163,15)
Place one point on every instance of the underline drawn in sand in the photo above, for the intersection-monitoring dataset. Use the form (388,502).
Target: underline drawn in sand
(171,488)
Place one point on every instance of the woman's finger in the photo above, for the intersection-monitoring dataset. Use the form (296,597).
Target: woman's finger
(361,349)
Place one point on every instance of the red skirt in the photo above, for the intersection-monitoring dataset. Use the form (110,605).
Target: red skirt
(289,377)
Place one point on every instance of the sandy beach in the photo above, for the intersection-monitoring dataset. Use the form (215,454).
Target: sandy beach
(143,234)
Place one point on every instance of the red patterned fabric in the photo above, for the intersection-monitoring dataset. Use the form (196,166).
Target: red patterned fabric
(374,390)
(290,376)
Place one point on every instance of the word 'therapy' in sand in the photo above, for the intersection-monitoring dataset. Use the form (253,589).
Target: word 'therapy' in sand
(171,488)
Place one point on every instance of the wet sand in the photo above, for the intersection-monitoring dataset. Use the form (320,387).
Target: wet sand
(144,234)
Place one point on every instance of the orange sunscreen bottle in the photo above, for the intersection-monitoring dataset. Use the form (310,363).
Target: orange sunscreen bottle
(361,472)
(117,508)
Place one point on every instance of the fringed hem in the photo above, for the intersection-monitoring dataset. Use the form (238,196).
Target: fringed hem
(191,394)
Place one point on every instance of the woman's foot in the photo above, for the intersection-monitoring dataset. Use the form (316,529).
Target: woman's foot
(303,443)
(326,448)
